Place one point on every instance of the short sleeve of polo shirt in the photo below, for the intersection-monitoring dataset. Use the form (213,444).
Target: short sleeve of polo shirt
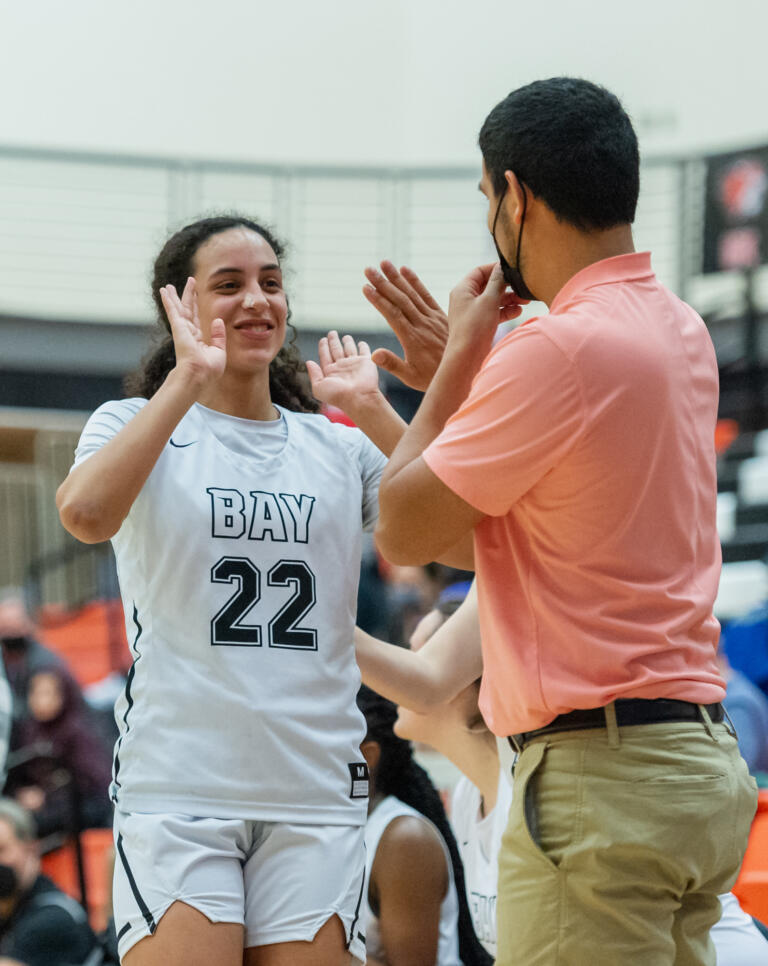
(524,412)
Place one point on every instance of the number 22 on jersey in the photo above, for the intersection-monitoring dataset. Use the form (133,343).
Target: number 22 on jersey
(229,626)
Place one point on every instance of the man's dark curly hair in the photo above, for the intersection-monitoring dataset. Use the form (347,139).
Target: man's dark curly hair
(173,266)
(572,144)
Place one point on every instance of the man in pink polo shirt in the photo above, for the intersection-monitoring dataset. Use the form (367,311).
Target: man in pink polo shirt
(577,455)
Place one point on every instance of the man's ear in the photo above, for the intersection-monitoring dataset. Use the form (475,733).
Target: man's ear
(371,751)
(515,197)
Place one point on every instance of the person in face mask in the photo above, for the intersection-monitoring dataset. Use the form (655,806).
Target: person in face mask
(572,463)
(39,924)
(22,653)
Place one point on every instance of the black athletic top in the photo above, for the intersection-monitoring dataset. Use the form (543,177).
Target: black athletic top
(48,928)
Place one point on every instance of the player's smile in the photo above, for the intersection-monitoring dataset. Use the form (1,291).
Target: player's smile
(240,281)
(255,329)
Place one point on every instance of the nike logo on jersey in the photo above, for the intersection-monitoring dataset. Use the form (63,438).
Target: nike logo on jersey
(182,445)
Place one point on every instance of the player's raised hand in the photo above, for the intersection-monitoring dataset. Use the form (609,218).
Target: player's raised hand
(202,361)
(419,323)
(345,373)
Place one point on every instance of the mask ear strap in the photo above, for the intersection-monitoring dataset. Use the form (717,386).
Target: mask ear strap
(522,224)
(522,221)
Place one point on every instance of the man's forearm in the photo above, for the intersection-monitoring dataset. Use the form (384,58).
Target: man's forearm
(420,518)
(447,391)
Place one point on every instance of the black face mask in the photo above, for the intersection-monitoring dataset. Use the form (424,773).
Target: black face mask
(17,645)
(513,276)
(9,882)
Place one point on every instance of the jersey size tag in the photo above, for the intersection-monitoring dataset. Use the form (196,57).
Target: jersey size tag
(358,771)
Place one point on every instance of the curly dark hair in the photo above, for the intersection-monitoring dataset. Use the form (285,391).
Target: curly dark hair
(399,775)
(173,266)
(571,142)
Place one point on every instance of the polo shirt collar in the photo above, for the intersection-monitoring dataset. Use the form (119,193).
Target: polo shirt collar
(620,268)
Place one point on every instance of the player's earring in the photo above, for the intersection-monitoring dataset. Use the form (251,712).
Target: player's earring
(249,301)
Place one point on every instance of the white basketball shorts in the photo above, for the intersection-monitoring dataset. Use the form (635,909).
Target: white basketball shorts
(281,881)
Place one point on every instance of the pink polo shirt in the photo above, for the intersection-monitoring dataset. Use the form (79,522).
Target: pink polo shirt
(588,440)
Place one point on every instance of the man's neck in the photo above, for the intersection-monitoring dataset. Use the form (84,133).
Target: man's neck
(570,250)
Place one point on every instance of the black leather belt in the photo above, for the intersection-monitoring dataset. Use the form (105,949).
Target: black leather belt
(629,711)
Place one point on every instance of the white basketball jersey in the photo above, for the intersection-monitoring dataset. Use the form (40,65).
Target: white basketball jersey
(737,939)
(385,812)
(238,569)
(479,841)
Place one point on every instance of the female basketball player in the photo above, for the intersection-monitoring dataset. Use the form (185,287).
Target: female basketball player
(236,515)
(454,727)
(415,908)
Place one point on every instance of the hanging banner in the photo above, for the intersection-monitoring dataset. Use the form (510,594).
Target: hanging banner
(736,215)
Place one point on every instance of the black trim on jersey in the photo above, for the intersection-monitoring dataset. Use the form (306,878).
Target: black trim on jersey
(357,911)
(129,699)
(148,917)
(123,931)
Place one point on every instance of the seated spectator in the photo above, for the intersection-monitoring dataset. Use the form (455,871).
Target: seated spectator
(64,774)
(414,906)
(39,924)
(747,707)
(23,654)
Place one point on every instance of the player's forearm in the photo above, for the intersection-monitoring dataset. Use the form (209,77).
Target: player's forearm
(378,420)
(95,498)
(420,680)
(397,673)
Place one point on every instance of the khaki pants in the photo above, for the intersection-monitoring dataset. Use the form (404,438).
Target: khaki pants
(618,844)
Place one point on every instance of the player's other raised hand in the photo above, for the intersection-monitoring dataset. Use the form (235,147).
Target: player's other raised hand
(201,356)
(419,323)
(344,374)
